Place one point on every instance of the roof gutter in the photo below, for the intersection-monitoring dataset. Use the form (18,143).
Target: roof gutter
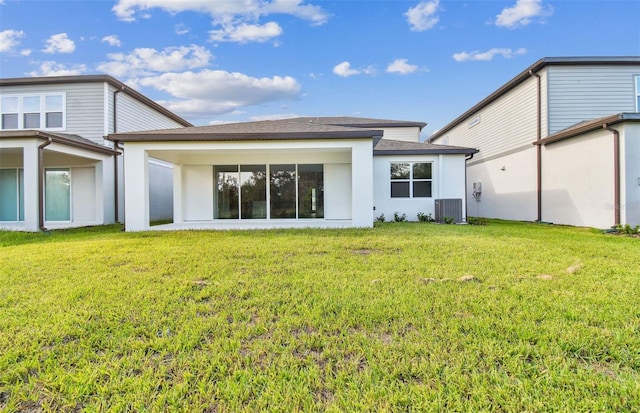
(41,183)
(539,148)
(616,172)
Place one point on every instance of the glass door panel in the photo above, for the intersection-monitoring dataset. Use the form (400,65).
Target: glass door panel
(8,194)
(310,191)
(253,191)
(57,197)
(226,192)
(283,191)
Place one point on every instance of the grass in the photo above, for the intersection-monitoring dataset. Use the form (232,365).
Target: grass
(96,319)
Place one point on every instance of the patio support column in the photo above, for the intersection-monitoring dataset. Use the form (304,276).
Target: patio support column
(136,188)
(31,193)
(177,194)
(362,184)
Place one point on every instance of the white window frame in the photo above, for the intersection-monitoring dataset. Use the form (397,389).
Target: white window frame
(410,180)
(43,112)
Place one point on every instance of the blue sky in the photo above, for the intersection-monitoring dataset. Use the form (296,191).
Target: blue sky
(239,60)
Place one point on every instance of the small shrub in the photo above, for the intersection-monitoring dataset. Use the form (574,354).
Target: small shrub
(399,218)
(449,220)
(627,229)
(422,217)
(476,221)
(379,218)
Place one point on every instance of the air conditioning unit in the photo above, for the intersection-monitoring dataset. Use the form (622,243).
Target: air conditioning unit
(448,208)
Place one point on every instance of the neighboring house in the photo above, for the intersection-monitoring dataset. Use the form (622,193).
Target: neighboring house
(302,172)
(56,169)
(558,143)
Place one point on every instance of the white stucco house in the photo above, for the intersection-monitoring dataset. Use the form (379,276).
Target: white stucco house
(56,168)
(559,143)
(325,172)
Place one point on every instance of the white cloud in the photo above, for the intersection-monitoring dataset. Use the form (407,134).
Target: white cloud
(9,39)
(401,66)
(522,13)
(146,61)
(181,29)
(344,69)
(51,68)
(112,40)
(231,18)
(488,55)
(245,33)
(217,91)
(25,52)
(59,43)
(423,16)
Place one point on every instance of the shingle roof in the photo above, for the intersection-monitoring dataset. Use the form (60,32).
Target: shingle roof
(394,147)
(286,129)
(362,122)
(588,126)
(63,138)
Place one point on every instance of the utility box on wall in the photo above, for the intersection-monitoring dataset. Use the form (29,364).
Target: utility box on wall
(448,208)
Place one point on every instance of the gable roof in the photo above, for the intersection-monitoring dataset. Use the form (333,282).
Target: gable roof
(528,72)
(285,129)
(394,147)
(62,138)
(588,126)
(55,80)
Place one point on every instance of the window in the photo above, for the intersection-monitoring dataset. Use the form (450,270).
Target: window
(11,195)
(269,191)
(411,180)
(33,111)
(638,93)
(57,195)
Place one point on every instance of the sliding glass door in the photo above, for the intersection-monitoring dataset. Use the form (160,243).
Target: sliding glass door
(11,195)
(281,191)
(57,195)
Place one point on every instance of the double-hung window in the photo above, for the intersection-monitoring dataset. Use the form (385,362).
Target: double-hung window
(411,179)
(33,111)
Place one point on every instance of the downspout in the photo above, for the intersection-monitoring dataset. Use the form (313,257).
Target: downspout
(616,172)
(117,146)
(115,157)
(538,147)
(41,184)
(466,204)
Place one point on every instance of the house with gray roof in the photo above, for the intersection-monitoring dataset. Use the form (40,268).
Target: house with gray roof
(56,168)
(325,172)
(559,143)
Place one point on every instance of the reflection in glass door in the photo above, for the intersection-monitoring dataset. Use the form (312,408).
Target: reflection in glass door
(57,195)
(226,192)
(253,191)
(283,191)
(310,191)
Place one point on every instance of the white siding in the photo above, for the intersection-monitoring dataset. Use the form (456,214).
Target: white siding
(448,176)
(506,124)
(84,202)
(578,93)
(84,111)
(577,180)
(133,115)
(410,134)
(507,194)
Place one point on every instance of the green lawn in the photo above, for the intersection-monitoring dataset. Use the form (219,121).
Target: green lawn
(321,320)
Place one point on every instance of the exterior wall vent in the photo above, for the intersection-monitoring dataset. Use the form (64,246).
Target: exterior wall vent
(451,208)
